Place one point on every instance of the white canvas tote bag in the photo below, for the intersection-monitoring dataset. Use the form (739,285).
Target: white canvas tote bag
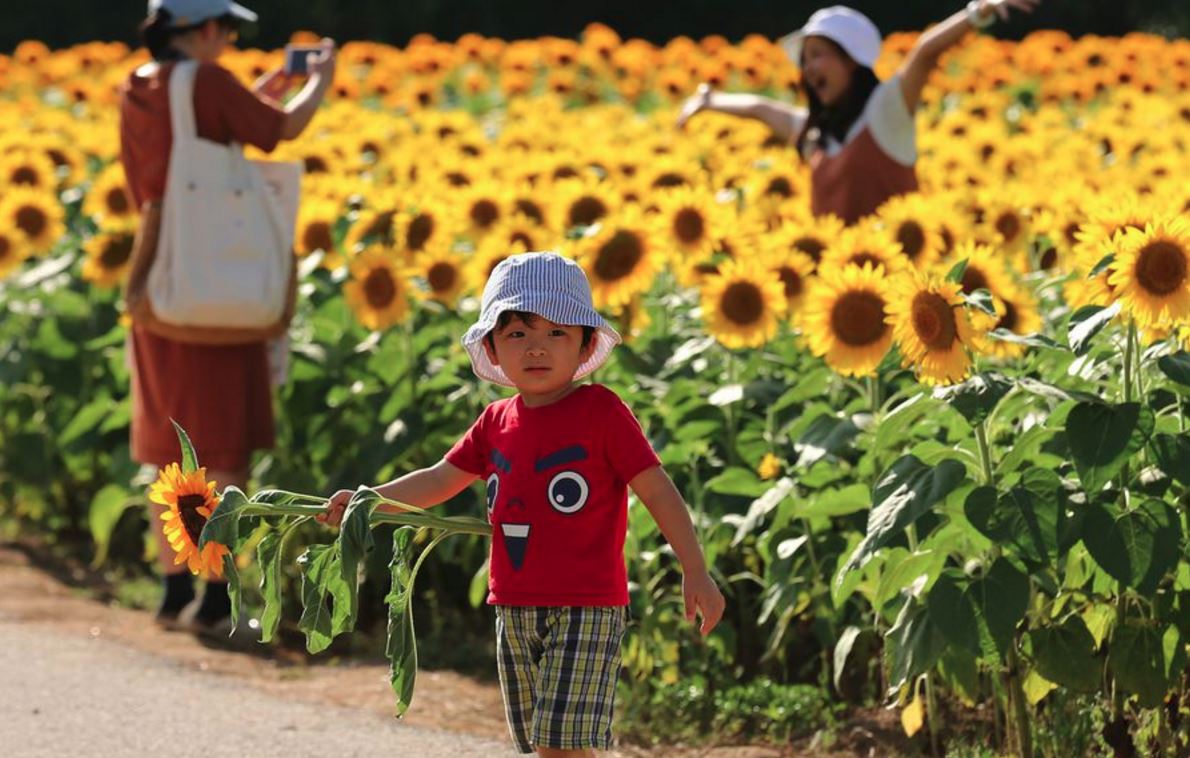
(227,224)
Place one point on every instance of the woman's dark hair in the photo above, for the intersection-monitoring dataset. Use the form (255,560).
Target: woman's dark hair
(835,120)
(158,35)
(527,318)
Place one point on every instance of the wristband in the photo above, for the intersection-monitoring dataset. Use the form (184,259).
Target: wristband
(976,20)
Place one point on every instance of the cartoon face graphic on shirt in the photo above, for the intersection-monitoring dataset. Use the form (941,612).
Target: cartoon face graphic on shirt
(555,481)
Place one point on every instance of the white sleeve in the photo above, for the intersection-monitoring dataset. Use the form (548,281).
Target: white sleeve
(797,121)
(891,122)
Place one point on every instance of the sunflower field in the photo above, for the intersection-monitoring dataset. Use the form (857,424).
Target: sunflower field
(938,459)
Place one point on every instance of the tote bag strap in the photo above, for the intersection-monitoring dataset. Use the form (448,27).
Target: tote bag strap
(181,99)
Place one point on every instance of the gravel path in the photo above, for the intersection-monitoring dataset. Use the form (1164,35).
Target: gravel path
(67,695)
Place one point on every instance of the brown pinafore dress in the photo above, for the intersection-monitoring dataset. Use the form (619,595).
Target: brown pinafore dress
(220,394)
(855,181)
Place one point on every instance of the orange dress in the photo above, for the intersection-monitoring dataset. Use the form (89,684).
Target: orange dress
(219,393)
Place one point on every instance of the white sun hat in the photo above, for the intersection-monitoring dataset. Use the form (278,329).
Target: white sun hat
(852,30)
(549,285)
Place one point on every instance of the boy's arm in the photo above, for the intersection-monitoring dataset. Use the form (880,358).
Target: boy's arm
(658,493)
(426,487)
(422,488)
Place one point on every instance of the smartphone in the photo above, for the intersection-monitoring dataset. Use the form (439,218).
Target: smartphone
(295,58)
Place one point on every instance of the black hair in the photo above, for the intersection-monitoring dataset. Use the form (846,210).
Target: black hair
(506,317)
(158,35)
(835,120)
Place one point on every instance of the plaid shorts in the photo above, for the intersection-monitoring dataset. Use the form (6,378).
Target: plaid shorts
(558,672)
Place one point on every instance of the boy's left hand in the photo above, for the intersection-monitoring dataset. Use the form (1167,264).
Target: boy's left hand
(703,597)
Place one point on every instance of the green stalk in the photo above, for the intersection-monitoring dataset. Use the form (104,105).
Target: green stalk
(1012,676)
(985,454)
(460,524)
(730,410)
(931,698)
(1117,703)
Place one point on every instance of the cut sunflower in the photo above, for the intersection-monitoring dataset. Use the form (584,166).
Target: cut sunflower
(932,326)
(190,499)
(377,291)
(742,305)
(844,318)
(1152,273)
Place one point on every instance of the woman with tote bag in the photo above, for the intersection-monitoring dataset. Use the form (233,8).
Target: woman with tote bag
(211,377)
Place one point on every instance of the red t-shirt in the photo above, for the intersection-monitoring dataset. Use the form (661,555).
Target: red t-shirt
(557,492)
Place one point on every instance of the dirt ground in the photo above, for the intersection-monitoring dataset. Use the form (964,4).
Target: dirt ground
(38,592)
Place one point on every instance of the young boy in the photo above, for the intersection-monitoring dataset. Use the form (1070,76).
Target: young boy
(558,459)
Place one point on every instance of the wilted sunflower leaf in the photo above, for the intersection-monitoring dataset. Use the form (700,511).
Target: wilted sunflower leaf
(318,563)
(223,527)
(189,459)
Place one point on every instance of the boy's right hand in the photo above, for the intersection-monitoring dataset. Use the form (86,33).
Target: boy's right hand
(335,506)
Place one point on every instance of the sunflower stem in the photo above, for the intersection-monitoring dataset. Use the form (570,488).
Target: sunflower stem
(1128,361)
(985,454)
(874,395)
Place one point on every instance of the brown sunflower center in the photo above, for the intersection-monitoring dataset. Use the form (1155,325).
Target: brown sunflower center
(522,237)
(742,303)
(32,220)
(791,280)
(586,211)
(192,520)
(379,288)
(419,231)
(947,239)
(811,246)
(25,175)
(315,165)
(863,257)
(779,187)
(857,318)
(5,248)
(531,209)
(458,179)
(116,252)
(912,238)
(1161,267)
(565,172)
(116,200)
(317,236)
(669,179)
(1009,225)
(617,258)
(381,226)
(933,320)
(689,226)
(974,279)
(484,213)
(1010,318)
(1049,258)
(442,276)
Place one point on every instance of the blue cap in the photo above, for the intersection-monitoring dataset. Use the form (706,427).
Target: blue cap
(191,12)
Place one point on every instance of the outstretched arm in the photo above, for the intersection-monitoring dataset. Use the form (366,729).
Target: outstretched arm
(658,493)
(422,488)
(935,41)
(785,120)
